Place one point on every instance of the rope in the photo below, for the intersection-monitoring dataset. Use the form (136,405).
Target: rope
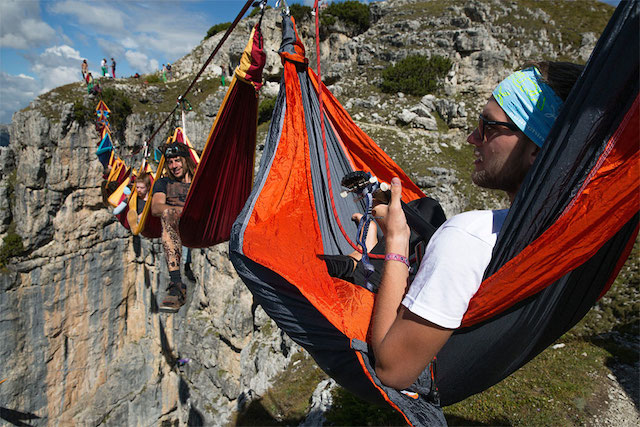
(194,81)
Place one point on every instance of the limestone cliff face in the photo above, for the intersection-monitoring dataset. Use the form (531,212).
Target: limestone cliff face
(82,340)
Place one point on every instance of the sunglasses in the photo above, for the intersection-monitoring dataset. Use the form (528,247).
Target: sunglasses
(483,121)
(174,151)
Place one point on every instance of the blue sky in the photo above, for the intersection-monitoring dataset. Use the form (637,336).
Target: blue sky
(43,42)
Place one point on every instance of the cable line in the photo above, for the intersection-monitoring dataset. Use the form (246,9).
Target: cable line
(193,82)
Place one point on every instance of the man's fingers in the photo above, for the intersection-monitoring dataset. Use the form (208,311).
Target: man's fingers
(380,210)
(396,191)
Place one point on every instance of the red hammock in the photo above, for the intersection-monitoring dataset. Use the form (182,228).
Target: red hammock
(223,179)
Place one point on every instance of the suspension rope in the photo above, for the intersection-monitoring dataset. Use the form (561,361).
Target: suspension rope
(194,81)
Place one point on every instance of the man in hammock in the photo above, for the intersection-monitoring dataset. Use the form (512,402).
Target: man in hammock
(169,195)
(409,329)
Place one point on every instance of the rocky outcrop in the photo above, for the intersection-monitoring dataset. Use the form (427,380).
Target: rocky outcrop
(83,342)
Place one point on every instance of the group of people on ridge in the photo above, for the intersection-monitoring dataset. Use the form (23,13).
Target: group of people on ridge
(93,88)
(105,69)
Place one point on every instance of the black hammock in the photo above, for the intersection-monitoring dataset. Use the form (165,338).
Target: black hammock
(571,227)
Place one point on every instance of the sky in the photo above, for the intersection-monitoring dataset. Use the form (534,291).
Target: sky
(43,42)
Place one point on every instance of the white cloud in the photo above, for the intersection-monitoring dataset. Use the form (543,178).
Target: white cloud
(111,49)
(59,76)
(57,65)
(153,28)
(15,93)
(158,31)
(141,62)
(21,26)
(173,44)
(99,16)
(129,43)
(58,55)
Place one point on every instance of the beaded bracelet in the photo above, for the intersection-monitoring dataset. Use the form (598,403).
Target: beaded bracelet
(397,257)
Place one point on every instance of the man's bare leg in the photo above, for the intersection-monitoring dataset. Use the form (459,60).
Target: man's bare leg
(172,245)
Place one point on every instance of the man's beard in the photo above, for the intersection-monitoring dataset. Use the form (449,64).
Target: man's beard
(510,176)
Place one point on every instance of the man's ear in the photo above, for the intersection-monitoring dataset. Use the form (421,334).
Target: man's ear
(533,153)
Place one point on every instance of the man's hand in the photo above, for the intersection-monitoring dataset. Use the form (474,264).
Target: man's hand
(402,342)
(393,222)
(159,205)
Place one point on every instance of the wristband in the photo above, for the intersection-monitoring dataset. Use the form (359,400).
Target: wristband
(397,257)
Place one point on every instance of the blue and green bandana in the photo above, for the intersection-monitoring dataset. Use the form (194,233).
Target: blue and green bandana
(529,102)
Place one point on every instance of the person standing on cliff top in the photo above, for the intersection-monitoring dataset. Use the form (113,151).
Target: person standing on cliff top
(85,70)
(113,68)
(169,196)
(103,66)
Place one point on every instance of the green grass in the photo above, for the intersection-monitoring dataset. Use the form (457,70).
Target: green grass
(416,75)
(349,410)
(559,387)
(218,28)
(429,8)
(287,403)
(11,246)
(570,20)
(265,110)
(353,14)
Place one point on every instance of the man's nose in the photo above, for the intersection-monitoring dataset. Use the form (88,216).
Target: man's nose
(474,138)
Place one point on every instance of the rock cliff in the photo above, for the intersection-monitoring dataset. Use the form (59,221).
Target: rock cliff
(83,342)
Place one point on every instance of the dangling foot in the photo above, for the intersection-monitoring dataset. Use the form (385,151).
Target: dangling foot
(175,298)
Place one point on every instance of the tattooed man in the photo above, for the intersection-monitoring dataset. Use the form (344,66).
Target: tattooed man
(169,196)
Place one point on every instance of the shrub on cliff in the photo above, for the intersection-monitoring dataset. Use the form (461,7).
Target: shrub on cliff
(82,113)
(256,10)
(416,75)
(265,110)
(217,28)
(299,12)
(153,78)
(11,246)
(120,106)
(353,13)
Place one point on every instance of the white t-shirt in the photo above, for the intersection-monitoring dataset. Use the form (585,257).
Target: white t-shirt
(453,266)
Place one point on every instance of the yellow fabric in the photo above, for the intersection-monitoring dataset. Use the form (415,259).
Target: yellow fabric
(245,59)
(114,198)
(102,107)
(115,169)
(137,225)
